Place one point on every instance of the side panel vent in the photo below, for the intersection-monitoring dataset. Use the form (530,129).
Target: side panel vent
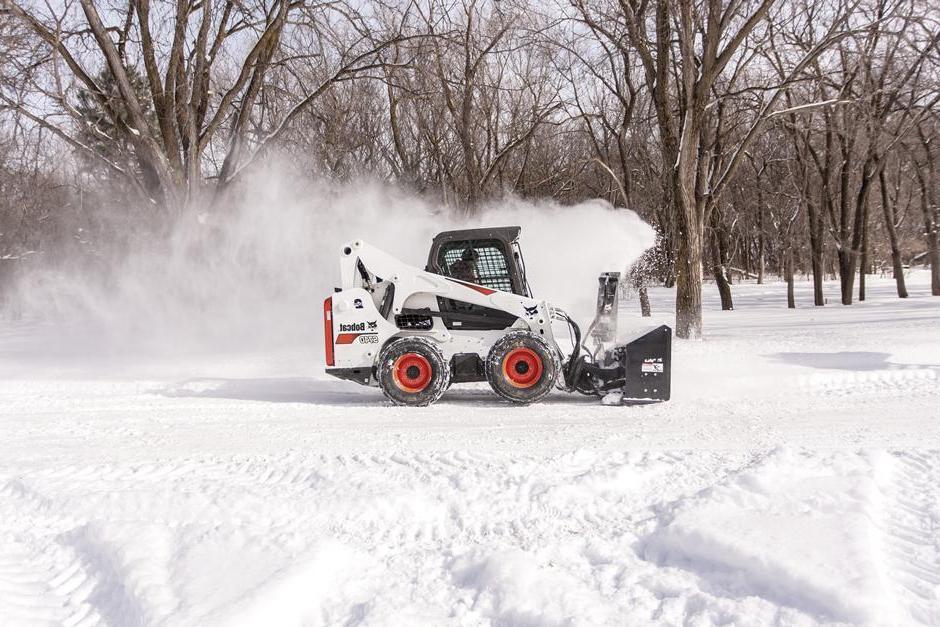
(414,321)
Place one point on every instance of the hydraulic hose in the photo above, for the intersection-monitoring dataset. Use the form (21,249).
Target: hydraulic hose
(576,361)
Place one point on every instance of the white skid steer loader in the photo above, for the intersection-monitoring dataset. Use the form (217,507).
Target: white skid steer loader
(470,316)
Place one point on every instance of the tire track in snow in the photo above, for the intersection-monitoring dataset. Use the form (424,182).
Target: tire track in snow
(400,508)
(912,521)
(34,590)
(38,587)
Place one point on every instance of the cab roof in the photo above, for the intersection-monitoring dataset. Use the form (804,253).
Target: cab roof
(506,234)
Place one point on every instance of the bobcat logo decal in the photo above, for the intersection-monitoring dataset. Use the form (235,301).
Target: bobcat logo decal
(531,311)
(373,325)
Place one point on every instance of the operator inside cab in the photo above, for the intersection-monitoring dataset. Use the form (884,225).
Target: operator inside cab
(465,268)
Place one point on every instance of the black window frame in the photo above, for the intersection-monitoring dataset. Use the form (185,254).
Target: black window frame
(487,275)
(504,236)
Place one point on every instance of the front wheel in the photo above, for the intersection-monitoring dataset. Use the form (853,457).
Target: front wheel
(522,367)
(412,371)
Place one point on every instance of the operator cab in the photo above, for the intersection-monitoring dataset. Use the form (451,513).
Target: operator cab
(489,257)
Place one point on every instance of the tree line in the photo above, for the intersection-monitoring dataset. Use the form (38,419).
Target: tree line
(757,136)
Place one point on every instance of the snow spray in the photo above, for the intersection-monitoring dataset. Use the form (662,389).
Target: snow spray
(254,275)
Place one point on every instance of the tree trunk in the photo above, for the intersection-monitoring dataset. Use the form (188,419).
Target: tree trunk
(760,237)
(819,299)
(689,286)
(858,225)
(670,280)
(724,287)
(931,229)
(863,269)
(746,258)
(667,246)
(933,242)
(846,274)
(888,208)
(720,261)
(788,269)
(690,212)
(861,276)
(816,236)
(644,302)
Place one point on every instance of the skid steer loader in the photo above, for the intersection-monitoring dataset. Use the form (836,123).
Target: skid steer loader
(470,316)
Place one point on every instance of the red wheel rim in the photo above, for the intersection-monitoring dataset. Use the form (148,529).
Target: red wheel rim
(522,367)
(412,372)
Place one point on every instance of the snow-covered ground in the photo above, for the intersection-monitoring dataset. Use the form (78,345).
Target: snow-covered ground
(793,479)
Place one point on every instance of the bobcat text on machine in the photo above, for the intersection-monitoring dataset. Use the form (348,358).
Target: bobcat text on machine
(470,316)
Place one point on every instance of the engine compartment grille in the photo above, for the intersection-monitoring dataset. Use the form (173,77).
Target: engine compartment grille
(413,321)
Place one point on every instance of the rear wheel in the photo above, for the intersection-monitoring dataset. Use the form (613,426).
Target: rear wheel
(412,371)
(522,367)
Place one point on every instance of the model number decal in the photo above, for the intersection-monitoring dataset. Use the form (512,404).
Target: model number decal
(363,338)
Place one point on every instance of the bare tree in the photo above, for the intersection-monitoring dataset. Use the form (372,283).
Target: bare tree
(691,60)
(753,134)
(205,65)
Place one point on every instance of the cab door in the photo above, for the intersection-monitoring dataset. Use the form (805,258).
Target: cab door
(485,262)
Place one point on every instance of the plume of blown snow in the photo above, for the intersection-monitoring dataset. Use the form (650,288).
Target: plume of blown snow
(566,247)
(255,275)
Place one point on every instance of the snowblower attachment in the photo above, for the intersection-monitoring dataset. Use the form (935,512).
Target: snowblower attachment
(646,360)
(636,370)
(604,328)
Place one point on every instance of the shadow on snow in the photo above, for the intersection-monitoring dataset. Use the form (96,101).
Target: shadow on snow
(860,361)
(340,393)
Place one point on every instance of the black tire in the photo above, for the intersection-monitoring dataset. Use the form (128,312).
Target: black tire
(521,367)
(412,371)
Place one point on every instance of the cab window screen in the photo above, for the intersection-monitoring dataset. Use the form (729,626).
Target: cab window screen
(480,262)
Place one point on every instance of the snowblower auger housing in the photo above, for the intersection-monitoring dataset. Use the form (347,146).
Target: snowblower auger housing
(470,316)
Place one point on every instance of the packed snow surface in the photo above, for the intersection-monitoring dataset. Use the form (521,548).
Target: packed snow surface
(793,479)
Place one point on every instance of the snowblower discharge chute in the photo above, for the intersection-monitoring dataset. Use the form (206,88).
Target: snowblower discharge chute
(470,316)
